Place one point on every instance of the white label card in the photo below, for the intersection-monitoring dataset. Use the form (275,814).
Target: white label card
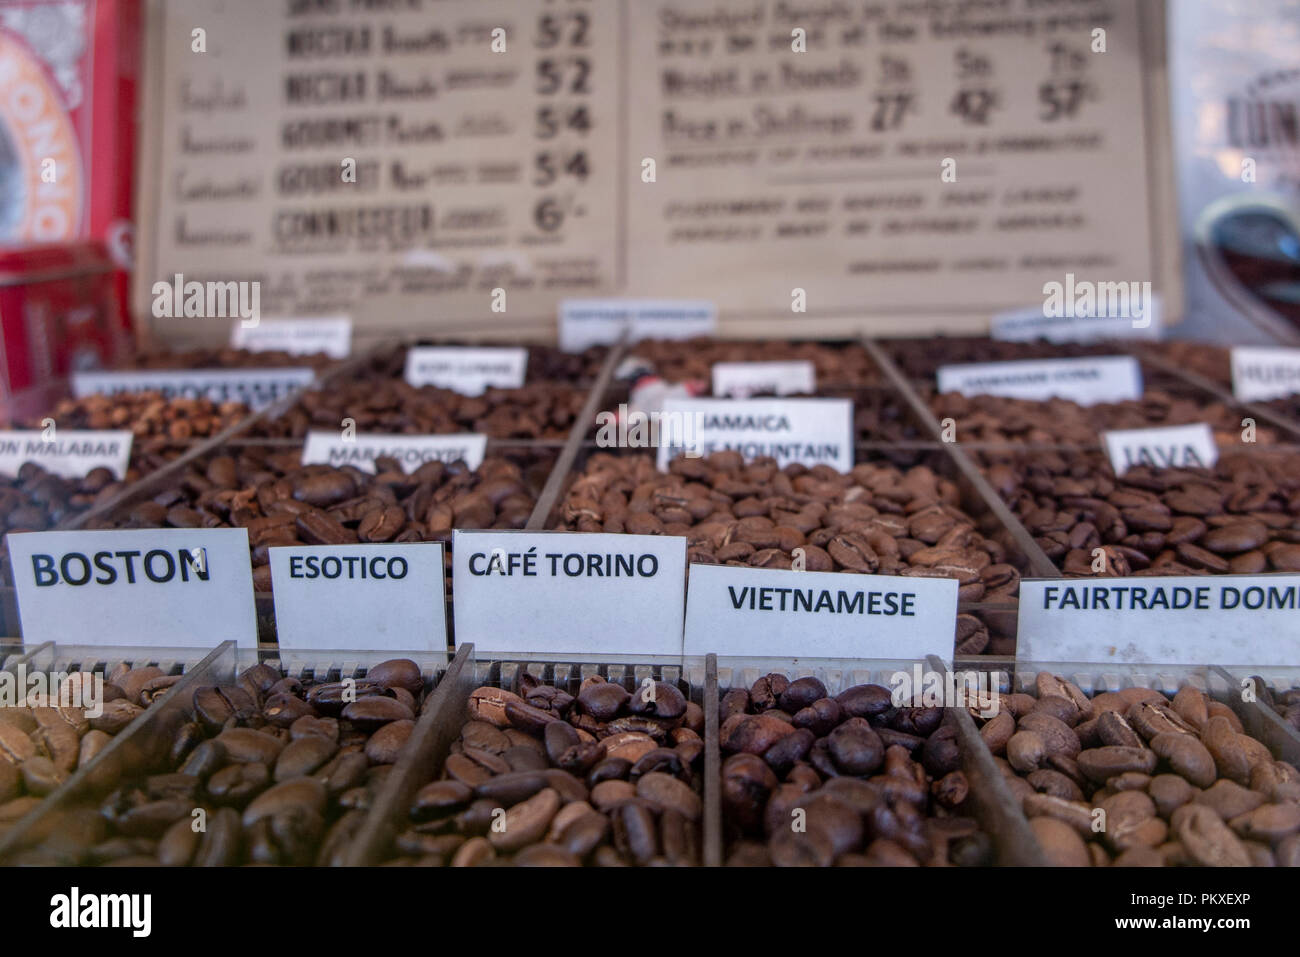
(1026,325)
(558,592)
(334,448)
(157,588)
(70,453)
(762,611)
(1177,446)
(1263,373)
(807,431)
(1086,381)
(305,336)
(465,370)
(743,379)
(257,388)
(384,597)
(1219,619)
(590,322)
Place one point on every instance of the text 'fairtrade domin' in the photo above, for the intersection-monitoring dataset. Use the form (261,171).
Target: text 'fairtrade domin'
(157,588)
(1225,619)
(556,592)
(793,431)
(764,611)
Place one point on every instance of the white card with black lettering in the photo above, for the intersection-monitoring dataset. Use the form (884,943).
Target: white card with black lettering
(412,451)
(1175,446)
(304,336)
(806,431)
(590,322)
(766,611)
(569,592)
(1215,619)
(256,388)
(1260,373)
(465,370)
(156,588)
(1086,381)
(70,453)
(384,597)
(742,379)
(1139,318)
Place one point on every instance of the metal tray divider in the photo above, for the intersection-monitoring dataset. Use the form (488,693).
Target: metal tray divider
(712,850)
(1212,388)
(1259,720)
(140,745)
(550,495)
(1038,564)
(995,807)
(435,730)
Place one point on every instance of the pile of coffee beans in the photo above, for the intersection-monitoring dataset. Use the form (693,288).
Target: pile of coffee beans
(1133,778)
(540,777)
(281,769)
(995,419)
(1285,702)
(1211,361)
(850,780)
(35,500)
(539,411)
(846,364)
(875,519)
(159,425)
(48,735)
(1241,517)
(282,502)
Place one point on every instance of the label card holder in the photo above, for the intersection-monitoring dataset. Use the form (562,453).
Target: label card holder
(569,592)
(70,453)
(1086,381)
(256,388)
(1176,446)
(465,370)
(304,336)
(158,588)
(384,597)
(1224,619)
(807,431)
(772,612)
(332,448)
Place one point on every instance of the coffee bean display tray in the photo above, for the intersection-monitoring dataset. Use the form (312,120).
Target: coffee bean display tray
(120,806)
(897,426)
(404,817)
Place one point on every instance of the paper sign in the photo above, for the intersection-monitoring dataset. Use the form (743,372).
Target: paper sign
(1086,381)
(331,335)
(70,453)
(153,588)
(557,592)
(1177,446)
(763,611)
(464,370)
(1220,619)
(589,322)
(332,448)
(807,431)
(385,597)
(1263,373)
(743,379)
(257,388)
(1026,325)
